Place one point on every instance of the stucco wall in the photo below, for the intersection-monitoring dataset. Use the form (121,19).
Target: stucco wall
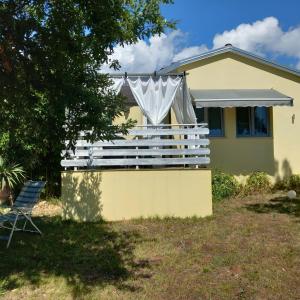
(126,194)
(134,113)
(235,155)
(278,155)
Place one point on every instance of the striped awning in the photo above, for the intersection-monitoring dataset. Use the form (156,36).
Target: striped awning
(240,98)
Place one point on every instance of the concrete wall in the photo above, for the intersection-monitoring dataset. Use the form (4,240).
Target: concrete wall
(126,194)
(278,155)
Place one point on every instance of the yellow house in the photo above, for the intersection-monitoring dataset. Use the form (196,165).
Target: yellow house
(252,107)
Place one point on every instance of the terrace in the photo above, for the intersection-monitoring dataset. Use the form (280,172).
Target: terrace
(157,164)
(174,145)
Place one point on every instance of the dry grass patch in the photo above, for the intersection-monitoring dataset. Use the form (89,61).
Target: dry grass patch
(249,249)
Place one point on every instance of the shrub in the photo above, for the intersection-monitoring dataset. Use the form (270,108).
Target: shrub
(281,185)
(223,185)
(257,182)
(294,182)
(290,183)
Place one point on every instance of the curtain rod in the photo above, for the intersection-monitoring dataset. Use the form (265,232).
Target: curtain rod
(155,74)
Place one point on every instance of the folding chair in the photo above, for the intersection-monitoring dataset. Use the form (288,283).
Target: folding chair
(22,210)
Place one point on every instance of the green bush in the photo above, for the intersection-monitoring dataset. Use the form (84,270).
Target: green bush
(223,185)
(281,185)
(290,183)
(257,182)
(294,182)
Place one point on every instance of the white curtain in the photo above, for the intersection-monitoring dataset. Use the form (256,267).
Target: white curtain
(182,105)
(184,110)
(117,84)
(155,97)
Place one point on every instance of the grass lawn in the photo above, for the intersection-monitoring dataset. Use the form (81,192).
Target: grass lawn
(249,249)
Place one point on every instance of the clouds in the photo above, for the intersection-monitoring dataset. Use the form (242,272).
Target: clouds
(189,52)
(159,51)
(147,56)
(250,37)
(264,37)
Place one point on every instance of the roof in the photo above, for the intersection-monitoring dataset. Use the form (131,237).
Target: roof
(240,98)
(227,49)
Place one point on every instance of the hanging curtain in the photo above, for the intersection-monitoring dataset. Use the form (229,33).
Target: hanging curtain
(182,105)
(155,97)
(184,110)
(117,84)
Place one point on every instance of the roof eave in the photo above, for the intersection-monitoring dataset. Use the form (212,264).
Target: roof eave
(223,50)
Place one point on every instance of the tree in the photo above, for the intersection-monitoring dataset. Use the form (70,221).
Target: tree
(51,52)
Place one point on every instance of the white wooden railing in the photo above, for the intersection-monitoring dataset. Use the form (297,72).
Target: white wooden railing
(166,145)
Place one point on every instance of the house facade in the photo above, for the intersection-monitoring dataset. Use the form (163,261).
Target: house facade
(252,107)
(250,138)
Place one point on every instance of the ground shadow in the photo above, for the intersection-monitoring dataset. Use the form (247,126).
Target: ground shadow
(281,205)
(85,254)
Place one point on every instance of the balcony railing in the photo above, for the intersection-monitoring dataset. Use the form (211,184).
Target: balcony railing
(144,146)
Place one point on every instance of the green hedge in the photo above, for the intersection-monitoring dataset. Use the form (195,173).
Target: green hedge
(290,183)
(223,185)
(257,182)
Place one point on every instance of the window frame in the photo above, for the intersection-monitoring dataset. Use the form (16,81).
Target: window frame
(206,120)
(252,124)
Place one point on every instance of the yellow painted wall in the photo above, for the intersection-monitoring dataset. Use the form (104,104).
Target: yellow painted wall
(279,155)
(134,113)
(126,194)
(235,155)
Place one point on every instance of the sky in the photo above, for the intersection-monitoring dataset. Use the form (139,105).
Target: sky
(269,28)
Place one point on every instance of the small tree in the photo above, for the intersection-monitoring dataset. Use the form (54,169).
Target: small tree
(51,52)
(10,176)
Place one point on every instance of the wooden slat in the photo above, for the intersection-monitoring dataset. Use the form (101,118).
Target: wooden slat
(144,143)
(166,132)
(160,126)
(151,148)
(136,162)
(138,152)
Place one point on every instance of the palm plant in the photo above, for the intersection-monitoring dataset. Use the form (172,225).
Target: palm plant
(10,176)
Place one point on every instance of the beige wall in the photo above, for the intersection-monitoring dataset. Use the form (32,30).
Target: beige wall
(134,113)
(240,156)
(279,155)
(126,194)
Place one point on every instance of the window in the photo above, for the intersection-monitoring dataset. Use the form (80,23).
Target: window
(252,121)
(214,117)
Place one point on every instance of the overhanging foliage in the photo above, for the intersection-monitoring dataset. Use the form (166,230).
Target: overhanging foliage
(51,89)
